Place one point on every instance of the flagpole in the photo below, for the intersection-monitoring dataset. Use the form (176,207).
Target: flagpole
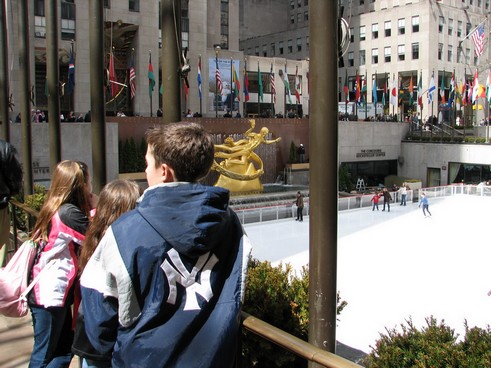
(244,106)
(216,82)
(151,102)
(366,90)
(272,95)
(259,82)
(375,88)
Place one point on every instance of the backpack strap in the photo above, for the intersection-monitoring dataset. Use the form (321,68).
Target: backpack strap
(33,283)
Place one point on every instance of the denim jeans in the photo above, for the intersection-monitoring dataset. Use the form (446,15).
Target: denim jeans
(53,337)
(87,363)
(403,199)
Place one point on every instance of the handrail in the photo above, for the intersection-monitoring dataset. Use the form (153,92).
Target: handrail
(294,344)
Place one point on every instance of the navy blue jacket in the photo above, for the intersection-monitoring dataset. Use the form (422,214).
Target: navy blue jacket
(165,286)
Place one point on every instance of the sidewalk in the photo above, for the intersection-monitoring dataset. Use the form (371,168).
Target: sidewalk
(16,342)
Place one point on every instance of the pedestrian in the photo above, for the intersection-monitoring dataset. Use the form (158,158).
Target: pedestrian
(59,231)
(301,153)
(299,203)
(424,201)
(116,198)
(387,199)
(10,184)
(165,284)
(403,191)
(375,200)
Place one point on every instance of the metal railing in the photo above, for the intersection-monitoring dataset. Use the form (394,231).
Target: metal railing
(251,323)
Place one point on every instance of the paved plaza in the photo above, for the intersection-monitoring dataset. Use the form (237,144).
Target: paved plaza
(397,265)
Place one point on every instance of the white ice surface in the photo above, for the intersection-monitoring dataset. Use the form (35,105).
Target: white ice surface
(397,265)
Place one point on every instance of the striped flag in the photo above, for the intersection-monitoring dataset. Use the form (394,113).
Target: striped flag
(273,86)
(442,89)
(286,82)
(431,89)
(151,76)
(199,78)
(478,37)
(218,78)
(297,86)
(132,79)
(235,83)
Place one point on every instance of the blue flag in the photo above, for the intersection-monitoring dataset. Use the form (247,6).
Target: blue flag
(71,74)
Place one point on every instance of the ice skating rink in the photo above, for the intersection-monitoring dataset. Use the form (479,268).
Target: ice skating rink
(397,265)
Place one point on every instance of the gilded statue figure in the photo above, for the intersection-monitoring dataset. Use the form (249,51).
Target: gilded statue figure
(238,165)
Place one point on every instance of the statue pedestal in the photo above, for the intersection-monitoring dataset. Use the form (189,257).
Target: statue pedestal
(240,186)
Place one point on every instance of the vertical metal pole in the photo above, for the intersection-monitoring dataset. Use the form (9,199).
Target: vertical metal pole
(216,82)
(53,76)
(323,175)
(25,94)
(169,60)
(4,74)
(97,98)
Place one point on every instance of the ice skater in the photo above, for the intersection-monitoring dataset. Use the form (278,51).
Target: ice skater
(375,200)
(424,202)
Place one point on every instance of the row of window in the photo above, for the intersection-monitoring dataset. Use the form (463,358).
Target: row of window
(300,17)
(298,3)
(401,29)
(278,48)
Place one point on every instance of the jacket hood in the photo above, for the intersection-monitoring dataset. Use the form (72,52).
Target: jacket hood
(192,218)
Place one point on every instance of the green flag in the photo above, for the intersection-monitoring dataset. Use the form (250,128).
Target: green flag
(260,83)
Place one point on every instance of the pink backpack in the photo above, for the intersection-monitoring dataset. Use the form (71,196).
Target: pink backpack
(13,280)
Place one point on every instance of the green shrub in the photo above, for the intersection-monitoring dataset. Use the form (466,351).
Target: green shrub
(435,345)
(293,153)
(279,297)
(34,201)
(132,156)
(470,139)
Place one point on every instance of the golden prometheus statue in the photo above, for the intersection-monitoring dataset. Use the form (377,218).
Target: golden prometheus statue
(238,165)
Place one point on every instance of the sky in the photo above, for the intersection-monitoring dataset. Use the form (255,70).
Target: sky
(398,265)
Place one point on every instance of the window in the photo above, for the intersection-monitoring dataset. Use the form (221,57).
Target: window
(290,46)
(292,19)
(401,26)
(256,50)
(415,23)
(307,42)
(39,8)
(362,33)
(459,55)
(67,21)
(387,54)
(375,31)
(265,50)
(224,30)
(185,39)
(459,28)
(374,56)
(450,26)
(415,50)
(467,28)
(107,4)
(441,22)
(486,4)
(134,5)
(299,3)
(351,58)
(352,35)
(299,17)
(362,57)
(440,51)
(39,27)
(306,16)
(292,4)
(299,44)
(401,52)
(273,49)
(387,27)
(280,47)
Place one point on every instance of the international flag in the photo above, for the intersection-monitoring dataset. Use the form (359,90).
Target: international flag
(260,83)
(71,74)
(464,91)
(151,76)
(488,87)
(346,88)
(199,78)
(451,95)
(246,84)
(218,78)
(364,90)
(286,82)
(112,76)
(475,88)
(384,93)
(132,79)
(297,86)
(235,83)
(273,86)
(186,90)
(411,90)
(478,37)
(357,88)
(420,91)
(431,90)
(393,92)
(442,89)
(374,92)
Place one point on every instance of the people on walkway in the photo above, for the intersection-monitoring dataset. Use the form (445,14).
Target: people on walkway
(375,199)
(387,199)
(403,191)
(117,197)
(301,153)
(164,287)
(299,203)
(10,184)
(59,231)
(424,201)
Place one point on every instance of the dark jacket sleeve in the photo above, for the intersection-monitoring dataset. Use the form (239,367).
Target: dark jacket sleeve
(10,173)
